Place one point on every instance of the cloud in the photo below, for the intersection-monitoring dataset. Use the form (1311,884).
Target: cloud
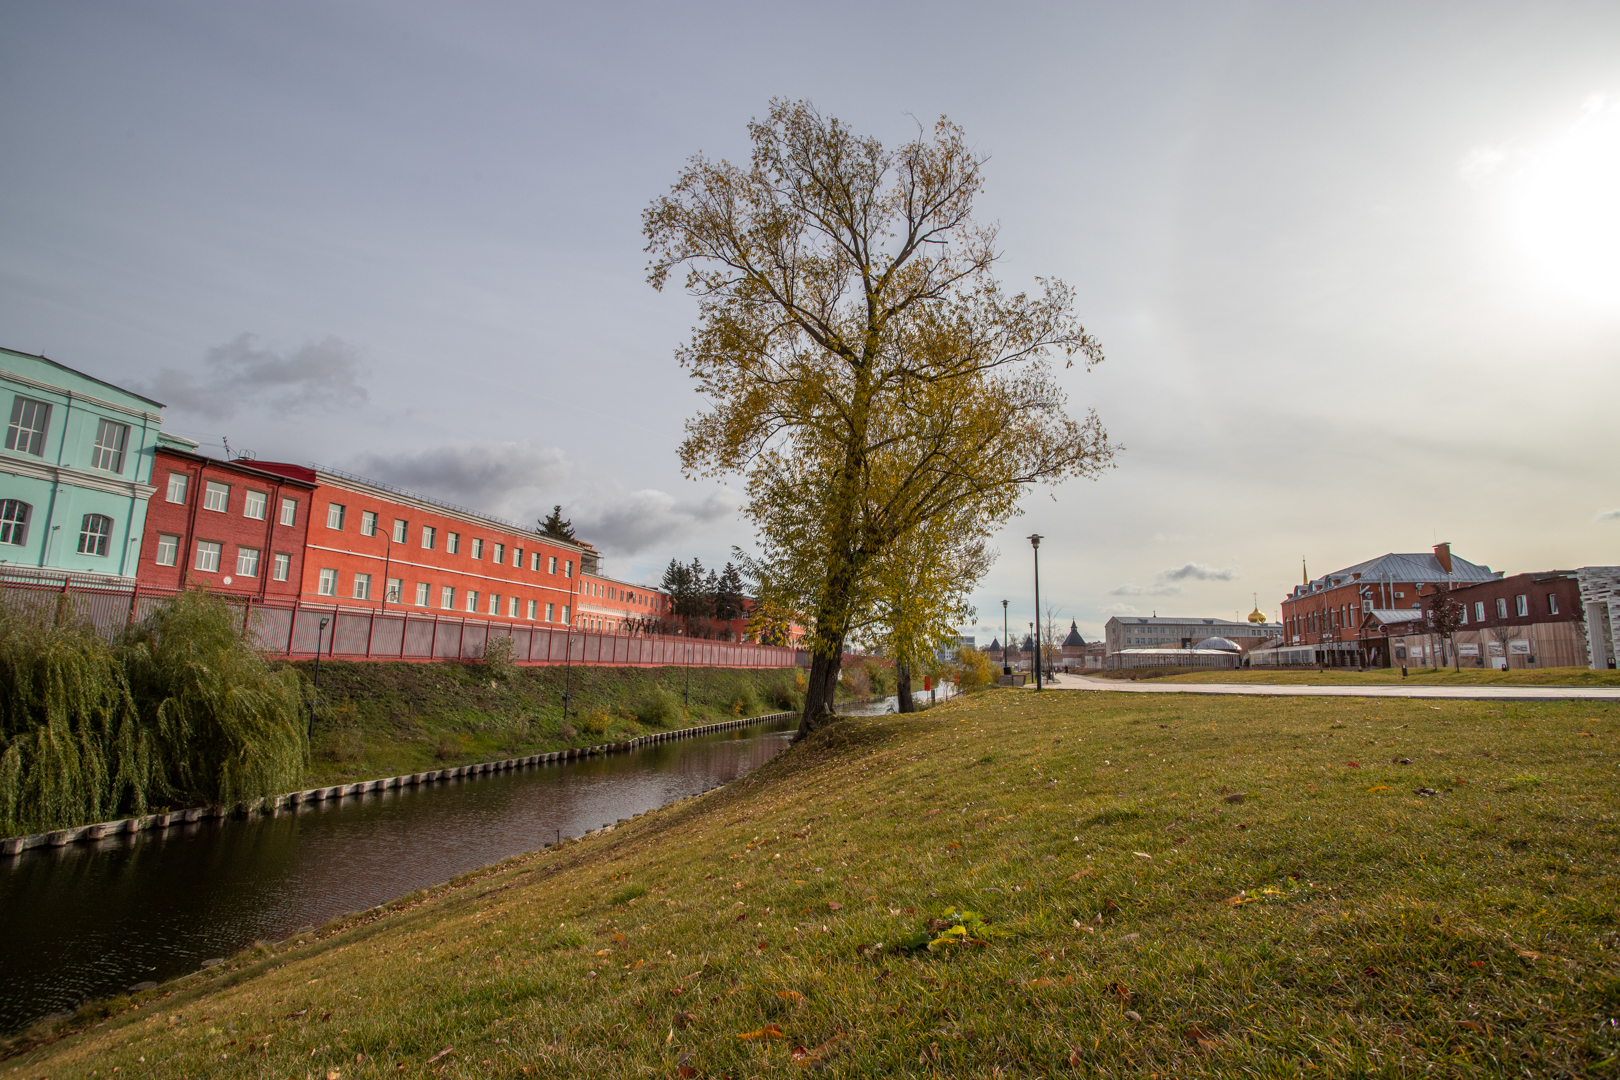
(1120,609)
(1199,572)
(631,522)
(507,479)
(1164,581)
(1607,515)
(242,374)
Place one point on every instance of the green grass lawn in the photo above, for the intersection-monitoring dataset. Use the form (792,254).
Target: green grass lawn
(1566,676)
(1159,885)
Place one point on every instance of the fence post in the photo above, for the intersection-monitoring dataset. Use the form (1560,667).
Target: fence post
(433,639)
(247,616)
(292,626)
(134,602)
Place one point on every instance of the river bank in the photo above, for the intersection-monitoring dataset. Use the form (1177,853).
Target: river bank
(1211,886)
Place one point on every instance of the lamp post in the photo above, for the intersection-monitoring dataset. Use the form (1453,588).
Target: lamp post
(1035,543)
(1006,668)
(319,634)
(568,654)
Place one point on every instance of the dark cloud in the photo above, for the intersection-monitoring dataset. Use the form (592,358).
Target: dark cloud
(629,523)
(508,479)
(1164,581)
(1607,515)
(318,375)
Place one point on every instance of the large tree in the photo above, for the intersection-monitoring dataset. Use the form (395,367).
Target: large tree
(853,341)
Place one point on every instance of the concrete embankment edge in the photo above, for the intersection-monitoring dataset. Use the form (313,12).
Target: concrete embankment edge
(16,845)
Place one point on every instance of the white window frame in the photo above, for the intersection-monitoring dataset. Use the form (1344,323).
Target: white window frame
(247,561)
(368,523)
(362,586)
(1501,607)
(472,601)
(551,611)
(111,440)
(452,543)
(30,422)
(280,566)
(289,512)
(95,535)
(178,483)
(534,562)
(477,547)
(1521,604)
(565,613)
(335,513)
(254,503)
(1552,603)
(517,558)
(429,536)
(168,549)
(393,589)
(1479,611)
(208,556)
(568,568)
(447,597)
(328,584)
(498,554)
(495,604)
(552,565)
(216,496)
(534,609)
(422,591)
(514,609)
(402,529)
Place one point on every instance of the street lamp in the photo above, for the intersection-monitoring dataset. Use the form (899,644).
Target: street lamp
(319,634)
(1006,668)
(1035,543)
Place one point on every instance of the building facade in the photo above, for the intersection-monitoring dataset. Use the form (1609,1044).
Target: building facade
(1349,617)
(76,469)
(226,526)
(1163,632)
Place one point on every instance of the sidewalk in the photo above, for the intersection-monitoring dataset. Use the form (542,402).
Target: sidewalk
(1487,693)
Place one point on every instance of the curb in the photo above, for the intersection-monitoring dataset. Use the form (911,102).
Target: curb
(16,845)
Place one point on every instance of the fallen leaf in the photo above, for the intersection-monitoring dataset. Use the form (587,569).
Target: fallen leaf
(1240,898)
(1236,797)
(1141,855)
(1380,787)
(1472,1025)
(618,937)
(1133,1016)
(1426,792)
(1130,937)
(1199,1036)
(1352,764)
(769,1031)
(790,995)
(1529,955)
(442,1053)
(833,905)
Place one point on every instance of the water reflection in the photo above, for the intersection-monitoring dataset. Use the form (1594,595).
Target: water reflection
(90,920)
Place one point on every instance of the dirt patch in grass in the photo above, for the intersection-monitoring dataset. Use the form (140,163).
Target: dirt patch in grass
(1392,896)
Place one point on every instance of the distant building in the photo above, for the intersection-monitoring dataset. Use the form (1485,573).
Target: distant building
(75,471)
(1348,617)
(1531,620)
(1163,632)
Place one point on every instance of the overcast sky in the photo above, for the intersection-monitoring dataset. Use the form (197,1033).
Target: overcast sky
(1356,268)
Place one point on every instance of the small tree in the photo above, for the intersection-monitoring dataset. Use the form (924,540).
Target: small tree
(1443,613)
(554,526)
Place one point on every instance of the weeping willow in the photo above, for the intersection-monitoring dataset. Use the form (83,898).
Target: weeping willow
(178,712)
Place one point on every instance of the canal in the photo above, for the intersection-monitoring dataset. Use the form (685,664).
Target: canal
(91,920)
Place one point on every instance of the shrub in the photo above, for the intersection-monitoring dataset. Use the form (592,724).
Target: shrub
(785,692)
(497,658)
(662,708)
(973,670)
(857,683)
(595,722)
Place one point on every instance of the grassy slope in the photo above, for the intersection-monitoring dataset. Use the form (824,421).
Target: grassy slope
(1568,676)
(1380,933)
(383,719)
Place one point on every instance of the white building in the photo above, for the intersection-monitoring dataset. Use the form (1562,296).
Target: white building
(1156,632)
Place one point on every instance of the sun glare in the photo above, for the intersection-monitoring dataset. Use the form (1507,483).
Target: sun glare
(1563,203)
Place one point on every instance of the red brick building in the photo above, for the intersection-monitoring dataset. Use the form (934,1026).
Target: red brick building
(229,526)
(1525,621)
(1348,617)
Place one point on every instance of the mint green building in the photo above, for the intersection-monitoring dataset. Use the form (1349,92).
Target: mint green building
(75,469)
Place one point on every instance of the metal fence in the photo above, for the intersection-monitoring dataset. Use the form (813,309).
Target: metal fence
(293,629)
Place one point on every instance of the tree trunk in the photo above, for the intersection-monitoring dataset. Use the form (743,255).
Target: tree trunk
(902,680)
(819,694)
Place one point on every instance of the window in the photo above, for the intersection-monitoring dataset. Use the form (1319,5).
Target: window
(392,592)
(334,516)
(568,568)
(1552,603)
(14,521)
(328,583)
(253,505)
(1465,615)
(565,612)
(208,556)
(108,454)
(95,530)
(1521,604)
(400,529)
(168,550)
(452,542)
(281,567)
(517,558)
(1479,611)
(368,523)
(429,536)
(177,487)
(551,566)
(29,419)
(499,554)
(472,600)
(534,562)
(447,597)
(494,603)
(216,496)
(247,562)
(421,594)
(512,608)
(534,606)
(1501,607)
(551,612)
(362,586)
(289,512)
(478,549)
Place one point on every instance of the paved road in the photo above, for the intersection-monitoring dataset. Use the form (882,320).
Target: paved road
(1488,693)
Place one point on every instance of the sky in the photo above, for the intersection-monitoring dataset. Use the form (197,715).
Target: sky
(1355,268)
